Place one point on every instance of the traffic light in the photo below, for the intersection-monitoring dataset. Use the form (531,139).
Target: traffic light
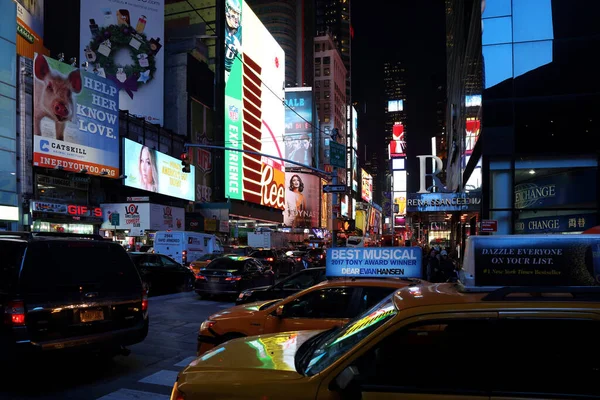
(185,162)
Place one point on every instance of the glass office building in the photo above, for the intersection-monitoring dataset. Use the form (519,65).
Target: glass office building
(9,210)
(537,147)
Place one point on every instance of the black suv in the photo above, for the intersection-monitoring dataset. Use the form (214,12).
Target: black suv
(68,292)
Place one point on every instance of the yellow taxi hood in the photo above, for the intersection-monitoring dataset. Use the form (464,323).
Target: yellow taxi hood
(242,310)
(254,357)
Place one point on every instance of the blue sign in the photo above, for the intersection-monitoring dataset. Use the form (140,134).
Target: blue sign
(559,190)
(374,262)
(557,223)
(424,202)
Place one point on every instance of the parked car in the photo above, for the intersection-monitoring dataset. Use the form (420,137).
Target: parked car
(206,259)
(162,274)
(277,260)
(68,292)
(231,275)
(287,286)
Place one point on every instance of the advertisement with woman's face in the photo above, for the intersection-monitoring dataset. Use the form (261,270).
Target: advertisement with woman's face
(302,199)
(150,170)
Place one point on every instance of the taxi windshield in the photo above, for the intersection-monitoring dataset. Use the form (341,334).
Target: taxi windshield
(333,347)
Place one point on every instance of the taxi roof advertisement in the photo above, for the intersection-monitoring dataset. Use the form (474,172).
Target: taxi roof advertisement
(374,262)
(537,260)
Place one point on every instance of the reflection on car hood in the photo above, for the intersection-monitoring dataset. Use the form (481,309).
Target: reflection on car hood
(242,310)
(260,288)
(250,359)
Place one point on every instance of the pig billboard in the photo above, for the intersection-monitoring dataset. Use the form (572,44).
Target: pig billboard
(75,119)
(122,41)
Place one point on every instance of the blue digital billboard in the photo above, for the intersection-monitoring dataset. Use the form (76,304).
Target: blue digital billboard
(298,126)
(374,262)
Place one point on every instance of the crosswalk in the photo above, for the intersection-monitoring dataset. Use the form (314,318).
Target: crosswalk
(156,386)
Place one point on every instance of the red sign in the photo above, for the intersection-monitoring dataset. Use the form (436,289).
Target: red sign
(84,211)
(489,225)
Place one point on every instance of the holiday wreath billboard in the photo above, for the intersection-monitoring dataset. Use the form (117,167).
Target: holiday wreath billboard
(122,42)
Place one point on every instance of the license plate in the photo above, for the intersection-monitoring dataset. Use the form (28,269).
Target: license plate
(92,315)
(214,279)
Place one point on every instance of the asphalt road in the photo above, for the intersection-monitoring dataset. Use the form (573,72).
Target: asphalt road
(147,373)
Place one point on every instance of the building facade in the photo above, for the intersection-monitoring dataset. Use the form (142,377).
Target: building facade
(394,78)
(9,198)
(537,143)
(291,22)
(330,93)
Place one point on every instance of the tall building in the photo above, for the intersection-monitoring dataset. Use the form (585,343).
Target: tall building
(394,78)
(292,24)
(526,140)
(333,16)
(9,199)
(330,93)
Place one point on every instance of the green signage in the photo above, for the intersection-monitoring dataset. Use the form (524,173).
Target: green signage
(21,30)
(337,154)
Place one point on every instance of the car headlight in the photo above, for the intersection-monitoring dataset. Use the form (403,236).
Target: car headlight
(206,325)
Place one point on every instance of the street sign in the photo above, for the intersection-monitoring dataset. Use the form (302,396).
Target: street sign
(114,219)
(488,225)
(337,154)
(334,188)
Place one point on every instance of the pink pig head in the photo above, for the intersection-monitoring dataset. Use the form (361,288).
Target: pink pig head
(56,97)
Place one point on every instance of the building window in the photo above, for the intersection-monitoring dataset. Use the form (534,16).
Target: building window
(317,72)
(326,119)
(318,47)
(327,94)
(327,60)
(318,61)
(317,84)
(327,83)
(317,96)
(326,72)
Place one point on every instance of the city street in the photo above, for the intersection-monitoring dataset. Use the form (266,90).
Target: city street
(147,373)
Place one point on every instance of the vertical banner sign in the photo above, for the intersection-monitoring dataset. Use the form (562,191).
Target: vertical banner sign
(302,200)
(75,119)
(202,133)
(298,126)
(122,41)
(254,110)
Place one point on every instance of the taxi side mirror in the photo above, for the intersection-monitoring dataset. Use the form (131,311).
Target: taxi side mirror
(345,378)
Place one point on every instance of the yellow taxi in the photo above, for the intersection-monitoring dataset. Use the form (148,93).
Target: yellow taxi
(535,339)
(329,304)
(206,259)
(435,341)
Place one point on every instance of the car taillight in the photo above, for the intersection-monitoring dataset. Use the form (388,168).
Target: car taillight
(200,277)
(233,278)
(298,259)
(14,313)
(270,259)
(144,300)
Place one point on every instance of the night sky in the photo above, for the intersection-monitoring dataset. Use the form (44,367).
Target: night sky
(414,33)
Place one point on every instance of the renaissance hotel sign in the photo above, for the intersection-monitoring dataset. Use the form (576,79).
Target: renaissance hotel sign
(418,202)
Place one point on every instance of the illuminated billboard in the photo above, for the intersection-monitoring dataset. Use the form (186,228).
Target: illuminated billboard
(76,119)
(395,105)
(367,186)
(254,110)
(122,41)
(150,170)
(298,126)
(302,200)
(398,142)
(472,127)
